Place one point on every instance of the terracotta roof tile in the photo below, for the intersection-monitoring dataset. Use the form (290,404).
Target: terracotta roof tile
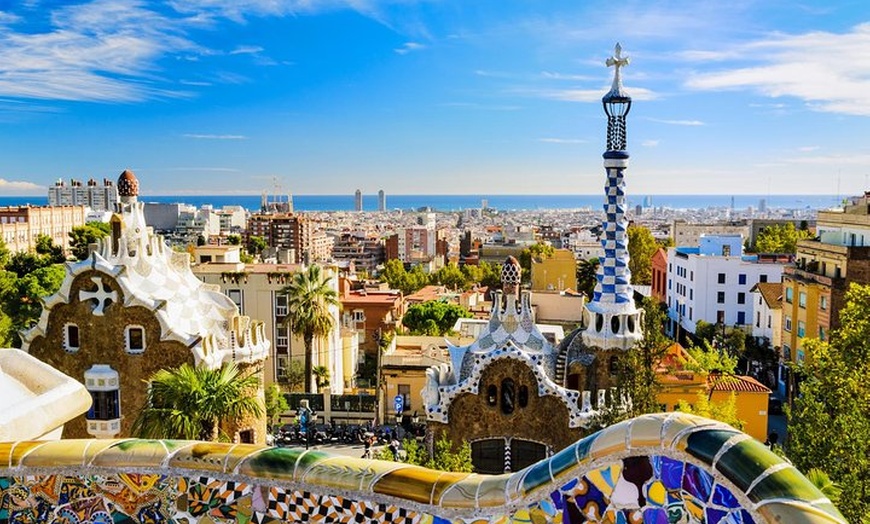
(771,292)
(740,383)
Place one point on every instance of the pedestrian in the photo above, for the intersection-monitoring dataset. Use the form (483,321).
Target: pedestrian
(368,447)
(394,449)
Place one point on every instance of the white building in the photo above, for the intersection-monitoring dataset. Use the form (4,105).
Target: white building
(92,194)
(767,323)
(712,282)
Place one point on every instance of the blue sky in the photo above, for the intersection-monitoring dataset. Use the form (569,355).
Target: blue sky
(464,96)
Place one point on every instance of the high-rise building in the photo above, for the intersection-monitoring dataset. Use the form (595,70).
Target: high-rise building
(21,225)
(357,200)
(95,196)
(382,201)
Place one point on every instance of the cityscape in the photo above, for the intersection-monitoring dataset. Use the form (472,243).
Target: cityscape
(495,330)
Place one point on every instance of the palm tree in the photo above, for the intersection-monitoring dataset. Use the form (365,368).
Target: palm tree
(321,376)
(828,487)
(587,276)
(191,402)
(309,298)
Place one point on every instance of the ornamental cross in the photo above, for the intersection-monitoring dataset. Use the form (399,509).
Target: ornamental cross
(617,60)
(103,297)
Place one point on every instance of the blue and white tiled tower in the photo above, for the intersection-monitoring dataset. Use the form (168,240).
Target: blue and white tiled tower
(612,320)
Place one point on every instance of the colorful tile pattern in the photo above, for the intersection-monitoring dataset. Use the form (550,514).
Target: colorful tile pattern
(699,472)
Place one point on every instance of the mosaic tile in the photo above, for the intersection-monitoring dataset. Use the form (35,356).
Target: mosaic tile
(645,432)
(491,493)
(705,444)
(745,461)
(409,482)
(461,494)
(131,453)
(784,484)
(609,441)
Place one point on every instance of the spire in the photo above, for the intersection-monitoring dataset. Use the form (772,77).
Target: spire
(612,319)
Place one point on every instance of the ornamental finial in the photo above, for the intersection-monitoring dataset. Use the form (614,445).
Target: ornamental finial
(618,61)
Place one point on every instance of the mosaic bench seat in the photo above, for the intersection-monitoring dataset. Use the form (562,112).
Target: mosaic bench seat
(659,469)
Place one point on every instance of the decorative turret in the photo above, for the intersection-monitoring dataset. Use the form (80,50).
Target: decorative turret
(511,276)
(128,185)
(612,320)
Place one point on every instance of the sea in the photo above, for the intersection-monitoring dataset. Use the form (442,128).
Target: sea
(497,202)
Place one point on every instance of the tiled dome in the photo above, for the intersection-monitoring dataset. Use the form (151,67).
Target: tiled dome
(128,185)
(511,272)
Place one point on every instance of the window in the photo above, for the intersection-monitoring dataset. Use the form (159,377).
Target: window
(236,296)
(71,338)
(280,305)
(823,302)
(741,279)
(726,251)
(359,315)
(721,278)
(720,297)
(758,319)
(821,333)
(802,328)
(508,396)
(762,278)
(741,318)
(691,294)
(802,299)
(788,323)
(405,391)
(135,339)
(106,405)
(691,276)
(789,295)
(741,298)
(690,313)
(281,337)
(720,316)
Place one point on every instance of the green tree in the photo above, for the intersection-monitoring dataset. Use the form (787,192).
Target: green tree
(408,282)
(641,247)
(707,359)
(24,304)
(445,456)
(722,411)
(637,368)
(276,403)
(823,481)
(294,376)
(450,276)
(23,263)
(192,402)
(309,298)
(256,245)
(321,376)
(829,422)
(81,236)
(473,274)
(780,238)
(4,254)
(587,271)
(433,318)
(491,274)
(234,240)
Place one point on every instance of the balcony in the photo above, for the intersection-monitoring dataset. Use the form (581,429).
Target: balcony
(805,275)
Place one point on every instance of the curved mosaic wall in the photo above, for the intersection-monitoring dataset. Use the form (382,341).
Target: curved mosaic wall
(655,469)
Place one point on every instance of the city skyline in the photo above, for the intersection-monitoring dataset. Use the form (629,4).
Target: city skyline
(431,97)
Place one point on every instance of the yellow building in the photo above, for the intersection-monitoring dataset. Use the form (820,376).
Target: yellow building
(403,371)
(681,384)
(555,273)
(814,288)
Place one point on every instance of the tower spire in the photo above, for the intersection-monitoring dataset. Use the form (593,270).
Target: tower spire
(612,319)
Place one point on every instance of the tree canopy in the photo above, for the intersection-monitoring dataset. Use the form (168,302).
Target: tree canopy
(433,317)
(82,236)
(587,271)
(276,403)
(829,421)
(637,368)
(641,247)
(780,238)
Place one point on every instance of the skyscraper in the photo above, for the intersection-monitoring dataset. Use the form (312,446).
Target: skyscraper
(382,201)
(357,198)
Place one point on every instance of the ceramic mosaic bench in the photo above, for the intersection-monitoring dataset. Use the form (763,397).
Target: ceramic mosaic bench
(659,469)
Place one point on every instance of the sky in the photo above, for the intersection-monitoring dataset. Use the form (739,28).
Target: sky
(434,96)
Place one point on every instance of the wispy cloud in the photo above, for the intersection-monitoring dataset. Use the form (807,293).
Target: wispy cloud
(650,143)
(550,75)
(214,137)
(807,149)
(588,95)
(678,122)
(407,47)
(246,50)
(830,72)
(551,140)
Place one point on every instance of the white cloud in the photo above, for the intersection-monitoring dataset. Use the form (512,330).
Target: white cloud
(650,143)
(591,95)
(807,149)
(214,137)
(246,50)
(407,47)
(679,122)
(830,72)
(550,140)
(18,186)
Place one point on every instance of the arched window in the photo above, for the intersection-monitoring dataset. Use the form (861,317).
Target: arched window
(71,338)
(492,395)
(135,339)
(523,397)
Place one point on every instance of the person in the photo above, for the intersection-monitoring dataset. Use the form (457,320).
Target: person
(772,439)
(394,449)
(369,441)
